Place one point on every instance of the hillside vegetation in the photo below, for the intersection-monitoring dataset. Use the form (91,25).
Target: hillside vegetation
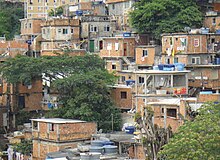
(10,13)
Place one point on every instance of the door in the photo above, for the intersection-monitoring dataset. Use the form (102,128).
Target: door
(100,45)
(125,49)
(21,102)
(91,45)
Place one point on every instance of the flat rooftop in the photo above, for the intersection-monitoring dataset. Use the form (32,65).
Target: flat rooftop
(160,71)
(57,120)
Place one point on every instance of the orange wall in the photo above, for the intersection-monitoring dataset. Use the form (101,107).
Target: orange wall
(149,60)
(117,53)
(120,102)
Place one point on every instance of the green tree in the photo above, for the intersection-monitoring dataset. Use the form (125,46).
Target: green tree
(198,139)
(56,12)
(81,81)
(165,16)
(25,147)
(10,13)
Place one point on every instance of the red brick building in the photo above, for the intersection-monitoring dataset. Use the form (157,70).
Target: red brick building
(53,134)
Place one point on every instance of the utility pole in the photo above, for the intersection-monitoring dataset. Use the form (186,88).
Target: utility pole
(112,122)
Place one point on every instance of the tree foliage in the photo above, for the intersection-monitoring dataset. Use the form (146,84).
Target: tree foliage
(198,139)
(10,13)
(25,147)
(165,16)
(81,81)
(56,12)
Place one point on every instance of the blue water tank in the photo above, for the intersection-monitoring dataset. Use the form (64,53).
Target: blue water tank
(79,12)
(204,30)
(108,143)
(217,61)
(217,31)
(126,34)
(129,82)
(155,68)
(160,66)
(205,92)
(169,67)
(130,129)
(179,66)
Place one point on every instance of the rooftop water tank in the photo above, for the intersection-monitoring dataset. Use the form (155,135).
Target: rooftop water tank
(108,143)
(90,156)
(97,143)
(96,149)
(110,149)
(126,34)
(204,30)
(130,129)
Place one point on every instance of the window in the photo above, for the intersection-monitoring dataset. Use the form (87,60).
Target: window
(113,66)
(113,6)
(93,28)
(109,46)
(141,80)
(35,125)
(167,60)
(44,31)
(72,31)
(50,127)
(213,21)
(106,28)
(171,41)
(39,8)
(126,4)
(183,42)
(170,112)
(65,31)
(196,42)
(30,25)
(59,30)
(116,46)
(195,60)
(175,59)
(122,78)
(39,1)
(123,95)
(145,53)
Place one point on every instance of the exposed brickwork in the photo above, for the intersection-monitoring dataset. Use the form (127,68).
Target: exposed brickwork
(31,26)
(72,53)
(115,1)
(126,47)
(85,5)
(122,103)
(46,141)
(147,60)
(77,131)
(41,148)
(208,97)
(216,7)
(136,152)
(109,66)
